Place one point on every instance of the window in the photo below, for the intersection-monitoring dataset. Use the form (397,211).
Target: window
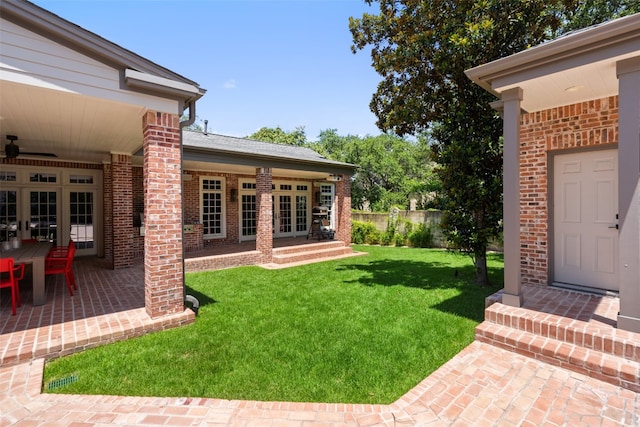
(80,179)
(326,199)
(81,217)
(302,212)
(43,177)
(8,176)
(249,215)
(212,196)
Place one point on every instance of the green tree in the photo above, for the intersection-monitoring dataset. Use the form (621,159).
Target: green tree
(390,168)
(421,49)
(279,136)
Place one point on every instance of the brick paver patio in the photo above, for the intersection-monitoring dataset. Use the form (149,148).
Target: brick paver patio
(484,385)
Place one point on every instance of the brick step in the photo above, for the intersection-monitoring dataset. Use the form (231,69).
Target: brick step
(309,247)
(605,339)
(314,254)
(590,362)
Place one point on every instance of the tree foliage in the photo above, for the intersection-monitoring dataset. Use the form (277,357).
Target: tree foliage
(421,50)
(296,137)
(390,168)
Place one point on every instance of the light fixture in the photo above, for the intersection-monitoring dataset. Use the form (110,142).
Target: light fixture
(233,194)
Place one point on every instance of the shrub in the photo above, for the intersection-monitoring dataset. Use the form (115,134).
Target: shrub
(386,238)
(400,240)
(364,232)
(373,237)
(416,235)
(421,237)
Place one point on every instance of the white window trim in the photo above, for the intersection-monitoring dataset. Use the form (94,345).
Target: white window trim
(223,213)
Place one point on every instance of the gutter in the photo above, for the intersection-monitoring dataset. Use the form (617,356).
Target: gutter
(195,304)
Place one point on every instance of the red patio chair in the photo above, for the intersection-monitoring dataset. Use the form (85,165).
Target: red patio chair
(60,251)
(13,275)
(62,265)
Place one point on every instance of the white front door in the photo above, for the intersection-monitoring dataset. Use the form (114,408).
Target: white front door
(585,204)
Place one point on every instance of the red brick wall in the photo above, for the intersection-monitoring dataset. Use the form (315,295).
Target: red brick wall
(107,200)
(48,163)
(122,208)
(191,192)
(542,133)
(193,240)
(137,174)
(164,293)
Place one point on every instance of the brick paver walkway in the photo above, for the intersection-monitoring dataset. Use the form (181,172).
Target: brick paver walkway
(484,385)
(481,386)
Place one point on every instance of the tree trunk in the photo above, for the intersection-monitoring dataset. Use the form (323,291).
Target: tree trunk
(482,274)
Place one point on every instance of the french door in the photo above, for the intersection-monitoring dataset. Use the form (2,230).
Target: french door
(51,206)
(29,214)
(291,211)
(42,210)
(282,215)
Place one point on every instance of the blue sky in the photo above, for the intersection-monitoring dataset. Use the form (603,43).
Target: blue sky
(268,63)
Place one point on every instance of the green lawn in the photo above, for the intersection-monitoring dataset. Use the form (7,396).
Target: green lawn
(358,330)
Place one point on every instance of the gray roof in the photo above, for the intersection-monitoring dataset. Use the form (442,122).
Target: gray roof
(248,151)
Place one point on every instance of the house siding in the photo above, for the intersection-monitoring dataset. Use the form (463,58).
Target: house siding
(28,57)
(544,133)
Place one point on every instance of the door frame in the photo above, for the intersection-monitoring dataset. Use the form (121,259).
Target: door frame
(551,231)
(66,181)
(247,187)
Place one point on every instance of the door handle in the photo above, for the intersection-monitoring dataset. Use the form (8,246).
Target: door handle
(614,226)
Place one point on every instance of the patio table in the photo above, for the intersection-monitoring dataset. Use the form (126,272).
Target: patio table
(34,254)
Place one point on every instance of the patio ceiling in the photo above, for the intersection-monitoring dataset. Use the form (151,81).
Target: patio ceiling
(80,128)
(73,127)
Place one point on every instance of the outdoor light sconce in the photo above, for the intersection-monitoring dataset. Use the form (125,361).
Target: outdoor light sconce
(233,194)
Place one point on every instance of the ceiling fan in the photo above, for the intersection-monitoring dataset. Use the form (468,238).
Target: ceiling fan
(12,150)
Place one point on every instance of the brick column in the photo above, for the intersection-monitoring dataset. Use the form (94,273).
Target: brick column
(264,207)
(107,200)
(629,193)
(122,210)
(163,270)
(343,205)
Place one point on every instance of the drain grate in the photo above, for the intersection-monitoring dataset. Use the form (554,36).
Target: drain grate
(61,382)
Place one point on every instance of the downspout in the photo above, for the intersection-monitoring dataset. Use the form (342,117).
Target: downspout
(192,118)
